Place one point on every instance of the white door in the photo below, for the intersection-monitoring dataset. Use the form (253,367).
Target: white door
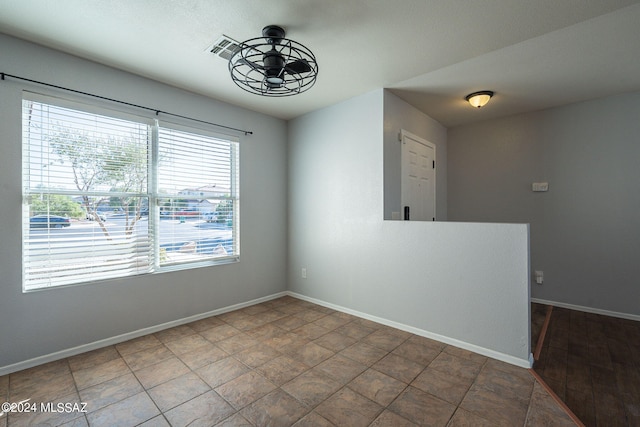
(418,178)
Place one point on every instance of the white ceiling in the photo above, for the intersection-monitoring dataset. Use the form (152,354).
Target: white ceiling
(534,54)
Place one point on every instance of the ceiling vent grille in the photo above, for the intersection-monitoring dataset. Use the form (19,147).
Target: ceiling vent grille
(225,47)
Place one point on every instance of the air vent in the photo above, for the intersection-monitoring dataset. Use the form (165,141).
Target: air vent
(225,47)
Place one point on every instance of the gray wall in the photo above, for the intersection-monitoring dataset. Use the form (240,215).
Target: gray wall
(585,231)
(40,323)
(465,284)
(399,115)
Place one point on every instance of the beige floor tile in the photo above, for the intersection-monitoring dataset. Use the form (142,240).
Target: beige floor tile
(38,417)
(310,331)
(506,384)
(286,342)
(93,358)
(236,420)
(312,419)
(377,386)
(158,421)
(177,391)
(341,369)
(219,333)
(222,371)
(41,389)
(332,321)
(131,411)
(174,333)
(334,341)
(363,353)
(348,408)
(399,368)
(265,332)
(236,343)
(463,418)
(161,372)
(202,356)
(245,389)
(275,409)
(422,408)
(290,322)
(187,344)
(205,410)
(311,354)
(544,410)
(384,340)
(282,369)
(450,388)
(297,363)
(204,324)
(112,391)
(389,419)
(147,357)
(458,366)
(355,330)
(100,373)
(257,355)
(417,351)
(310,315)
(498,409)
(137,344)
(311,387)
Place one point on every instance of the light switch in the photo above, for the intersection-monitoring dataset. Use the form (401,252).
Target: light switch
(540,186)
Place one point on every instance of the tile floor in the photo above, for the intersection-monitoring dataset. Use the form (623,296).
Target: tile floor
(281,363)
(592,362)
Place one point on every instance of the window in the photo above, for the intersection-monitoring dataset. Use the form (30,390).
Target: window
(110,195)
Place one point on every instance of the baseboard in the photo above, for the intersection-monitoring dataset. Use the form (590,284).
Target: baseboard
(36,361)
(588,309)
(523,363)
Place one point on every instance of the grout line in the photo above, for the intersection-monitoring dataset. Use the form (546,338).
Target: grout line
(543,332)
(555,397)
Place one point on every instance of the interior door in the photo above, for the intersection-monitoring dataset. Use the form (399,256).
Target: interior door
(418,178)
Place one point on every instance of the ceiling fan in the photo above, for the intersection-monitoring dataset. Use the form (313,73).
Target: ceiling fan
(272,65)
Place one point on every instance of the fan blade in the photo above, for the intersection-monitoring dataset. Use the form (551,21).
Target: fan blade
(249,63)
(298,66)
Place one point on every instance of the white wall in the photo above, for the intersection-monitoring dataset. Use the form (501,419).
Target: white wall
(399,115)
(40,323)
(462,283)
(585,231)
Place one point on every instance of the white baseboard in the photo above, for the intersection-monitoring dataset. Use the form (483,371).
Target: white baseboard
(588,309)
(4,370)
(523,363)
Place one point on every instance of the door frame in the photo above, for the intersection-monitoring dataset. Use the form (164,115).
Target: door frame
(402,137)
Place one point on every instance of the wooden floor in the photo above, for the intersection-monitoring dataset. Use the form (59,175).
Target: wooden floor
(592,362)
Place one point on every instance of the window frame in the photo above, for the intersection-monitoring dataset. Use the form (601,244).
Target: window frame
(152,194)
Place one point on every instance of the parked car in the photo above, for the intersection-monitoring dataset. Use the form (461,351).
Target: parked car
(210,216)
(103,217)
(48,221)
(186,212)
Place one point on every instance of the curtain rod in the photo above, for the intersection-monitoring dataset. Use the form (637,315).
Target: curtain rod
(3,75)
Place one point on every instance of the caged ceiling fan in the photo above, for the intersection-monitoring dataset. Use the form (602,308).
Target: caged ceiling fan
(272,65)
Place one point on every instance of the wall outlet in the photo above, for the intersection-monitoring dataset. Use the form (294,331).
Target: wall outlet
(304,272)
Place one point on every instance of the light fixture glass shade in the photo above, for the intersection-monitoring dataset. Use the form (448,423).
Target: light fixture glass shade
(479,99)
